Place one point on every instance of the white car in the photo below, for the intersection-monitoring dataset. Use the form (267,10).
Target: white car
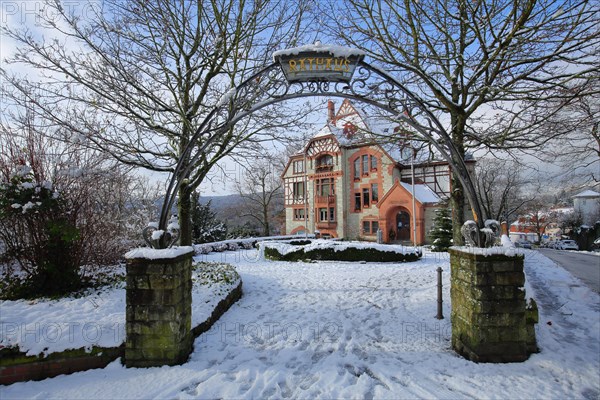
(568,245)
(596,246)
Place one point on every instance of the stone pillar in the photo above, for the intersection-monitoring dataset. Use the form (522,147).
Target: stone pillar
(491,321)
(159,307)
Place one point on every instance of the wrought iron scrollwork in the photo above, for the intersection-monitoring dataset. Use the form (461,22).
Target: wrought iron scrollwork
(368,84)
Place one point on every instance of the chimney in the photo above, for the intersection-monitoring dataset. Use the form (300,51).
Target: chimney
(331,112)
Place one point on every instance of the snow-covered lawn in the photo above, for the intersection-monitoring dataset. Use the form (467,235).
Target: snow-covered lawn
(96,319)
(351,330)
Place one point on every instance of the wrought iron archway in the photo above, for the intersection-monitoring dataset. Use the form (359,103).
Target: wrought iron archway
(368,84)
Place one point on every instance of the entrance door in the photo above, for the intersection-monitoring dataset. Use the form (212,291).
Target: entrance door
(403,226)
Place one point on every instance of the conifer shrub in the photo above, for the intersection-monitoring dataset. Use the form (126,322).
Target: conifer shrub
(441,233)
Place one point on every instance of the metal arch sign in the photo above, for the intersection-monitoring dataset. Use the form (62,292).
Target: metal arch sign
(318,63)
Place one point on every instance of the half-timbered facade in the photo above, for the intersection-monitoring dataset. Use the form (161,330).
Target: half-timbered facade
(347,182)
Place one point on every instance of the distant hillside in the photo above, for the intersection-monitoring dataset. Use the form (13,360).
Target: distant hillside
(219,203)
(229,209)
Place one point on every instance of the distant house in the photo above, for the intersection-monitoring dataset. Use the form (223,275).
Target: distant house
(587,204)
(527,227)
(348,183)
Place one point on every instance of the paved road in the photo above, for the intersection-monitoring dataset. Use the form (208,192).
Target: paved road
(582,265)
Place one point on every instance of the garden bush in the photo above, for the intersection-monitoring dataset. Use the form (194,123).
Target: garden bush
(64,207)
(339,252)
(40,234)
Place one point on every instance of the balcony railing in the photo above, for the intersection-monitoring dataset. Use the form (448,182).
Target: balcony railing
(327,225)
(324,168)
(329,199)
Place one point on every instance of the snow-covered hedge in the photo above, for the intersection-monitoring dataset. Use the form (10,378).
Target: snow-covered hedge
(236,244)
(321,249)
(216,274)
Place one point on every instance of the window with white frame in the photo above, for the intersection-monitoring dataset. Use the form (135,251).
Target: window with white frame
(298,166)
(298,190)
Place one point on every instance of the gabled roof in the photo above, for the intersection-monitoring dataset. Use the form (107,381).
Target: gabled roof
(372,130)
(587,194)
(423,193)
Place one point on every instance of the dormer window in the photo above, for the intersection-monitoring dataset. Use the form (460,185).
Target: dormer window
(324,163)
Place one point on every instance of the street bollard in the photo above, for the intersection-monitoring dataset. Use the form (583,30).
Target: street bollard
(439,300)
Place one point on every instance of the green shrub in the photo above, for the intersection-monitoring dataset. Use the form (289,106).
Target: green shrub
(207,273)
(347,254)
(300,242)
(441,232)
(39,233)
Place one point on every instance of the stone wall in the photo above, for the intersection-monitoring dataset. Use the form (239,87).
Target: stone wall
(159,310)
(491,321)
(17,366)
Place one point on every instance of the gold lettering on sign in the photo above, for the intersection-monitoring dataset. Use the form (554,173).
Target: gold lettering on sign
(337,64)
(319,63)
(346,65)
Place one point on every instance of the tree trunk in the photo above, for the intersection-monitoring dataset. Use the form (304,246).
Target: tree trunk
(457,201)
(184,206)
(457,196)
(266,219)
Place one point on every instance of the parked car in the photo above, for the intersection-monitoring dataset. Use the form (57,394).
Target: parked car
(553,244)
(596,246)
(526,244)
(568,245)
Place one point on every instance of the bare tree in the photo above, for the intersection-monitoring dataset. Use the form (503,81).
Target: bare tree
(260,188)
(577,127)
(538,216)
(137,79)
(482,66)
(499,185)
(62,206)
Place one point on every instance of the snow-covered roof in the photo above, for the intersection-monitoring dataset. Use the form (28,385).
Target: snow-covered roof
(318,47)
(372,130)
(327,130)
(423,193)
(587,193)
(563,210)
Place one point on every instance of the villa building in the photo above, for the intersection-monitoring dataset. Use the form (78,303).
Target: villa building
(354,177)
(587,205)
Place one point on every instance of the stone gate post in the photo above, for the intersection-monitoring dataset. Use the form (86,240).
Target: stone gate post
(159,307)
(491,321)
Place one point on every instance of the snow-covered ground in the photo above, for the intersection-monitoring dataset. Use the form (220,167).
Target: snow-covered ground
(352,330)
(96,319)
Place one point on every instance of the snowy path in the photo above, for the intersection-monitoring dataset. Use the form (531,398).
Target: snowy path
(342,330)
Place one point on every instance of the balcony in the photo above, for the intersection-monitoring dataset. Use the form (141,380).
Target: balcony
(326,225)
(325,200)
(323,168)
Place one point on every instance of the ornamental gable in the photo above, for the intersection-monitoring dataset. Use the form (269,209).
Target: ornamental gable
(327,144)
